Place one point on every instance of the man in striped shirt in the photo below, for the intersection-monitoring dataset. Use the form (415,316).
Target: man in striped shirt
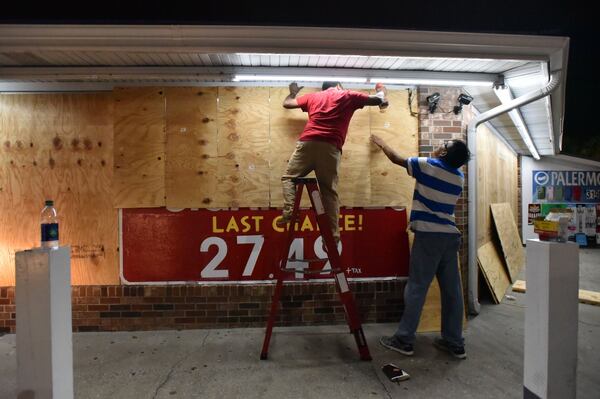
(435,246)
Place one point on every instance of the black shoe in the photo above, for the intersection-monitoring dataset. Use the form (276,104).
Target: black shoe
(456,351)
(397,345)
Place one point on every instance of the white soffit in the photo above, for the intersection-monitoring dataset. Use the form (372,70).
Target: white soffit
(94,55)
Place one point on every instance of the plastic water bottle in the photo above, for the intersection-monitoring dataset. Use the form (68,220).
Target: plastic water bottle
(49,224)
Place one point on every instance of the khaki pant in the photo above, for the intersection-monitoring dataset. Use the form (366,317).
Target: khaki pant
(324,159)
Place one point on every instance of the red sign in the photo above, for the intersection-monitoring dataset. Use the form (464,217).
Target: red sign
(161,245)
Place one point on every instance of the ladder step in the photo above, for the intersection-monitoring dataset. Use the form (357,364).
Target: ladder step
(304,180)
(308,260)
(308,271)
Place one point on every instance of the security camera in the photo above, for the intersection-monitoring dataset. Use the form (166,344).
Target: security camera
(432,102)
(463,99)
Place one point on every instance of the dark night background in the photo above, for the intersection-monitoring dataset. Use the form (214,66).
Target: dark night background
(581,129)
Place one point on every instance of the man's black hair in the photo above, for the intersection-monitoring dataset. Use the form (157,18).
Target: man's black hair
(457,153)
(327,85)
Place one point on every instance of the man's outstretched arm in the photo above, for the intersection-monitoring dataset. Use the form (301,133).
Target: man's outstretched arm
(290,101)
(377,100)
(387,150)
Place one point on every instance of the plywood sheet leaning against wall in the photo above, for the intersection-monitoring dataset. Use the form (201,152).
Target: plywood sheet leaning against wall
(243,147)
(510,240)
(191,148)
(59,146)
(139,147)
(497,167)
(493,269)
(286,126)
(431,316)
(390,184)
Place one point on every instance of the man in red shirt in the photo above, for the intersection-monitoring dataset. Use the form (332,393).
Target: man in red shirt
(319,147)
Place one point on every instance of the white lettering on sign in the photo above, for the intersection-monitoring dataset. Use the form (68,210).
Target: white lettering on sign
(320,252)
(296,251)
(210,270)
(566,178)
(258,242)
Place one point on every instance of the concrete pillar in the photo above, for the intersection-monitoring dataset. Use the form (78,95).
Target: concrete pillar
(44,332)
(551,317)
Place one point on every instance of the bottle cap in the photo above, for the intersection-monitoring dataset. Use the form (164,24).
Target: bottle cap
(49,203)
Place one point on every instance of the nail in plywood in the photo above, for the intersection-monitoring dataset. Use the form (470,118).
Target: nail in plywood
(493,269)
(59,146)
(286,126)
(510,240)
(191,148)
(585,296)
(390,184)
(139,147)
(243,147)
(354,185)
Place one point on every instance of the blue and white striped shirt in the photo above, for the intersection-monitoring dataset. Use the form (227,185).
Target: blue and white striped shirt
(436,192)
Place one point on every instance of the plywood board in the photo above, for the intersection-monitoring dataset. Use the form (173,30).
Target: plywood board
(493,269)
(354,185)
(511,243)
(139,147)
(59,146)
(285,128)
(366,177)
(497,174)
(431,316)
(585,296)
(243,147)
(390,184)
(191,148)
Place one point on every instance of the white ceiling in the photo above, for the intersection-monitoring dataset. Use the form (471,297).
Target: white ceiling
(44,57)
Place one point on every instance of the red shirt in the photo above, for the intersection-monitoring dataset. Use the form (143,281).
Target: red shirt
(329,114)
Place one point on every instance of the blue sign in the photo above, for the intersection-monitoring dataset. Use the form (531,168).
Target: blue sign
(566,186)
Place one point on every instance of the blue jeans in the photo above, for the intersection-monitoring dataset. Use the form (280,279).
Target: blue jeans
(433,254)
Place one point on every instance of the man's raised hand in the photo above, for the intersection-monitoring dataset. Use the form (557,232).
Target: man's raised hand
(377,140)
(294,89)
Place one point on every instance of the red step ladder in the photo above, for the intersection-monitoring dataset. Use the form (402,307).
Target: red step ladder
(341,283)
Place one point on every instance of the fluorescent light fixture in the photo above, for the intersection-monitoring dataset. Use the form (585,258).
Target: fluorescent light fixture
(432,82)
(289,78)
(505,96)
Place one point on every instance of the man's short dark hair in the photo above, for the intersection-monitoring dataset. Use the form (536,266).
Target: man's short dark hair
(457,153)
(327,85)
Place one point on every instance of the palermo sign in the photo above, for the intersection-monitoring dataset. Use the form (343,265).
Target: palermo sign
(566,186)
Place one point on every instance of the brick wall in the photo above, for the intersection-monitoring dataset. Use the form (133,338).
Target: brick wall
(129,308)
(434,130)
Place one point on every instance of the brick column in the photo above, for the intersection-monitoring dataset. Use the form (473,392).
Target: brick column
(434,130)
